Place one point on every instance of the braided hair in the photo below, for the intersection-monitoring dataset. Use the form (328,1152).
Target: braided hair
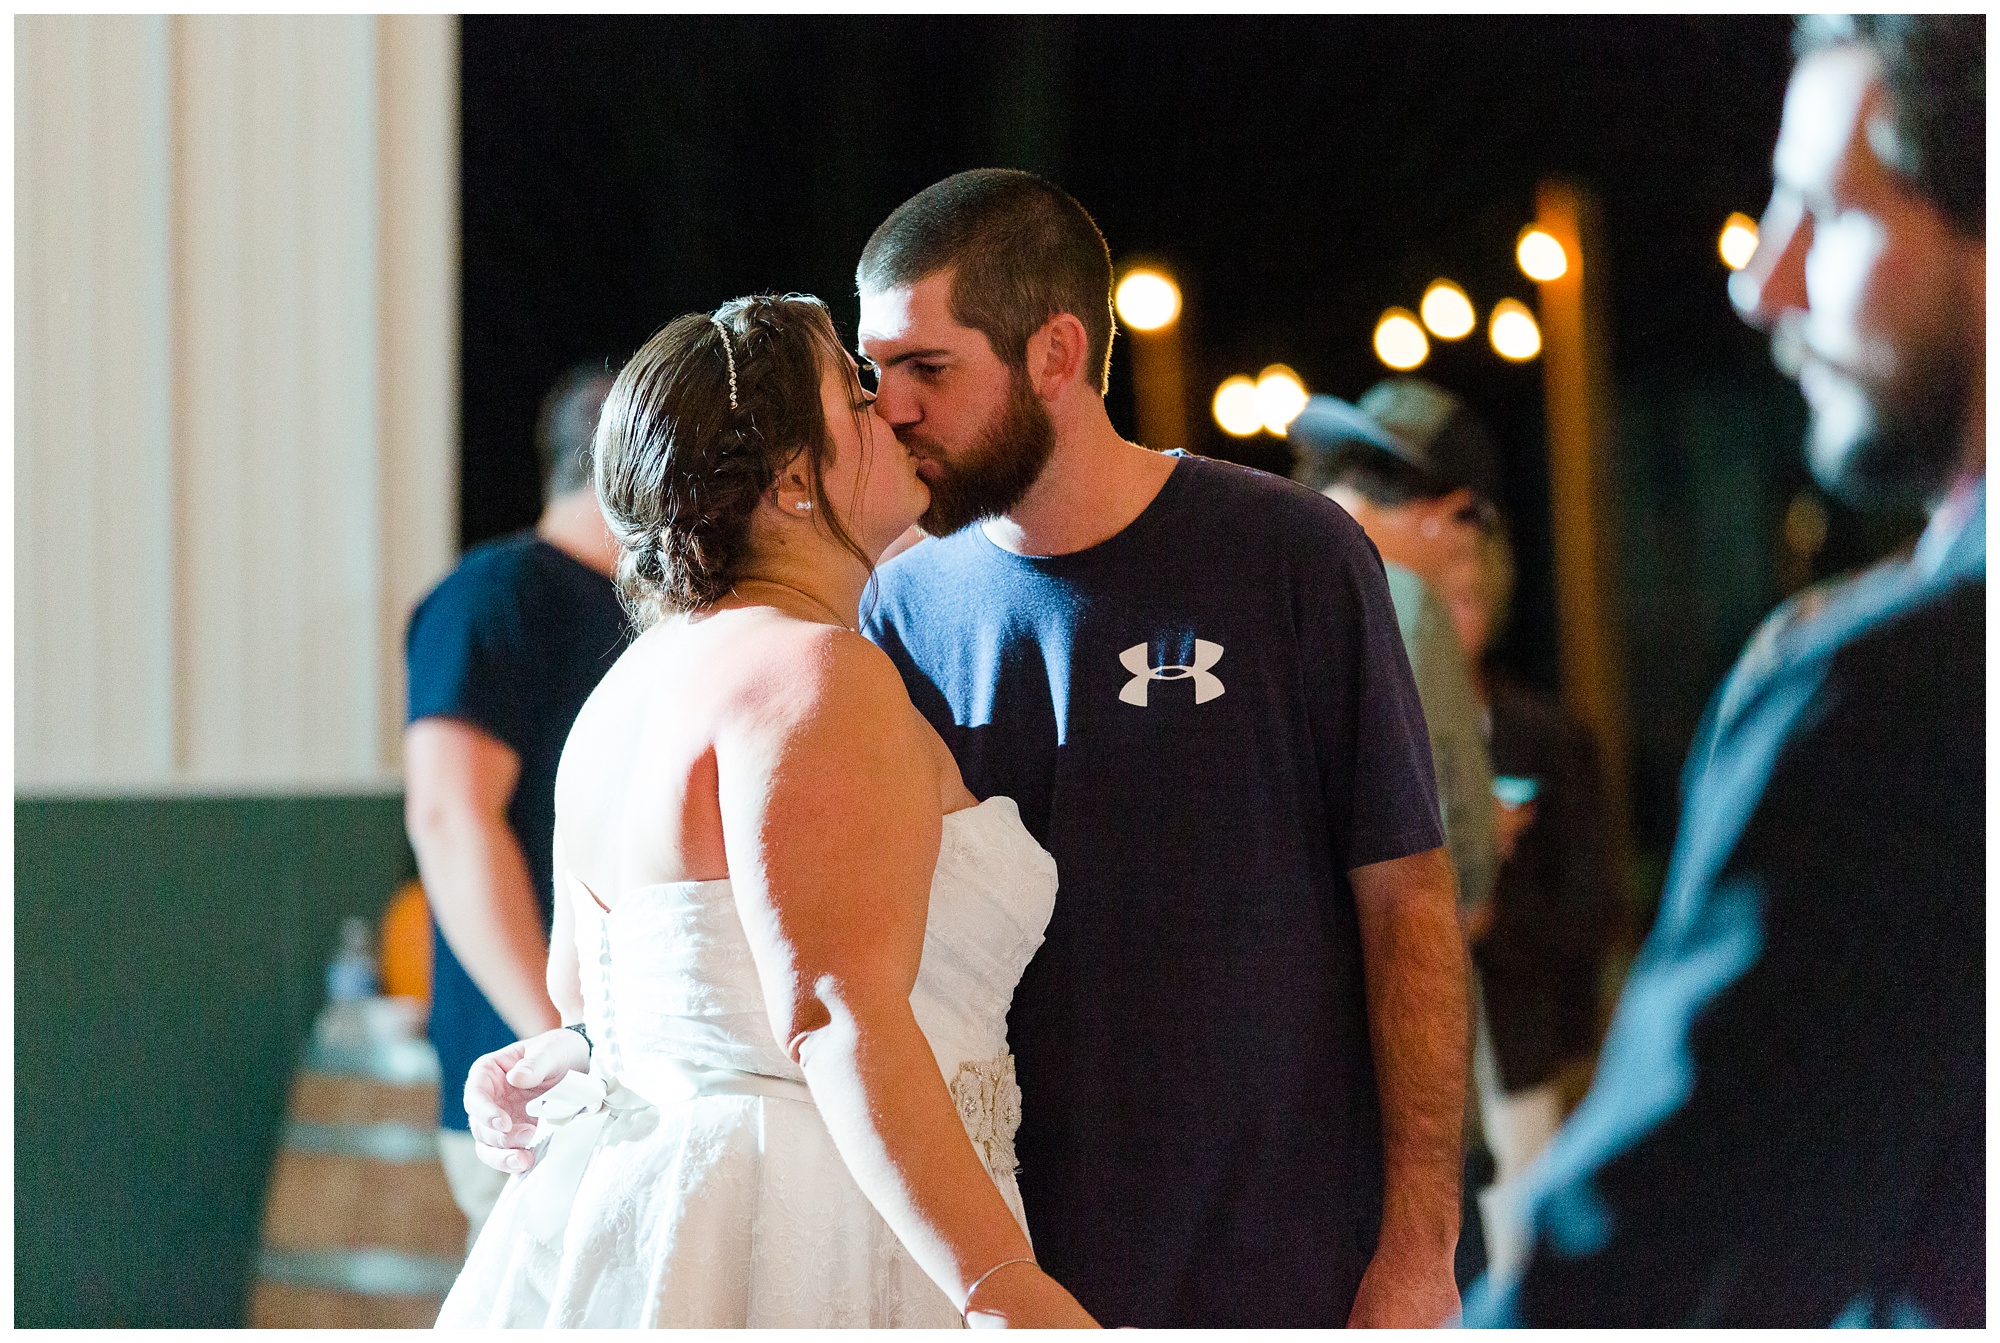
(682,462)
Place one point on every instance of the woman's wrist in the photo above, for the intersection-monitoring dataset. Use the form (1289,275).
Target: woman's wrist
(967,1305)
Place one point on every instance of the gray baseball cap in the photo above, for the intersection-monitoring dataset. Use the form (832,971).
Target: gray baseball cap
(1414,421)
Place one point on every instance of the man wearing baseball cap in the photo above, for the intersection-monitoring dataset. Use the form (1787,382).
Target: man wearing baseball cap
(1418,471)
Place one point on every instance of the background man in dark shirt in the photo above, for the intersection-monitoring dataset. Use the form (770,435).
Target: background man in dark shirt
(1788,1123)
(502,654)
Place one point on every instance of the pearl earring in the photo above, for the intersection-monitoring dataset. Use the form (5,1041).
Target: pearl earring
(804,506)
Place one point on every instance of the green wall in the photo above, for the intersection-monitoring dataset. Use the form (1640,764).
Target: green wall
(169,960)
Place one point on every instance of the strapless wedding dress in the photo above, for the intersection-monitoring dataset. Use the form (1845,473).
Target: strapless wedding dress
(689,1179)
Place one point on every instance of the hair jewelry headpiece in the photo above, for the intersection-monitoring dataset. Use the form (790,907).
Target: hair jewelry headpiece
(728,354)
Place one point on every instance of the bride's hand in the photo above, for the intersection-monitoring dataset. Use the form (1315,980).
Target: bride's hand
(501,1084)
(1022,1296)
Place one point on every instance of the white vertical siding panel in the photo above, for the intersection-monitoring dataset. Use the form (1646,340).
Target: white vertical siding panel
(217,357)
(418,136)
(93,572)
(236,392)
(278,318)
(347,289)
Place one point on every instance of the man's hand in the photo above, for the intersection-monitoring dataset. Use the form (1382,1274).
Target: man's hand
(501,1084)
(1407,1286)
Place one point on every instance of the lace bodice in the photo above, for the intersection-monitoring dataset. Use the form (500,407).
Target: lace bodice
(668,976)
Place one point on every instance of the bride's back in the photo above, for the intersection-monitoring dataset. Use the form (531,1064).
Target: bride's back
(636,792)
(703,429)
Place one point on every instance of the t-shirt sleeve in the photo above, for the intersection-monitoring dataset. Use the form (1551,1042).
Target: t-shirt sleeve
(465,658)
(1390,808)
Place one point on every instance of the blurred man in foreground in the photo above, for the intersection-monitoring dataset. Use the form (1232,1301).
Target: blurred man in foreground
(1788,1123)
(502,654)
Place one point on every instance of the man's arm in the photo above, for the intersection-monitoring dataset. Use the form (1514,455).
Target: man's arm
(459,780)
(1414,962)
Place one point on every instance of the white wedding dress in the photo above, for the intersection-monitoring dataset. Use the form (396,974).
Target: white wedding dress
(689,1179)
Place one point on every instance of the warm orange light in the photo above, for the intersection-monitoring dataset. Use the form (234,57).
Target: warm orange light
(1147,300)
(1738,242)
(1542,258)
(1236,407)
(1400,341)
(1447,311)
(1280,398)
(1514,332)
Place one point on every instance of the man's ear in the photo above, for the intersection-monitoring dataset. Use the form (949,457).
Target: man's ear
(1056,355)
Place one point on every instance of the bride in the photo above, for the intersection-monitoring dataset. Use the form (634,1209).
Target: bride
(786,936)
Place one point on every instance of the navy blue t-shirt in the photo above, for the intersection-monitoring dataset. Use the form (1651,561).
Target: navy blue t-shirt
(512,641)
(1208,719)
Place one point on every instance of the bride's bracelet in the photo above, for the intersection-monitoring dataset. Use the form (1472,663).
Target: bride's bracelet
(577,1026)
(966,1309)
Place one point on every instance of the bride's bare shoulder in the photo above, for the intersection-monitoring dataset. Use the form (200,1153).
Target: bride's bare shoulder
(821,668)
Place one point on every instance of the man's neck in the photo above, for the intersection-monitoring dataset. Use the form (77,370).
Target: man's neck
(573,524)
(1095,486)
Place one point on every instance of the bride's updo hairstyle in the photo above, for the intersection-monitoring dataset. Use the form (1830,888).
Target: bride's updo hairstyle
(680,470)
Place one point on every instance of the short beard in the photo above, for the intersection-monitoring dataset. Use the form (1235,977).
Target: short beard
(1007,458)
(1910,441)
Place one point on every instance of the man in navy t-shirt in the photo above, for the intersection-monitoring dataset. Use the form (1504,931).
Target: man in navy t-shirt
(1242,1046)
(502,655)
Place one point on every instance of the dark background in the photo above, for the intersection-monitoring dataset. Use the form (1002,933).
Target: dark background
(1298,175)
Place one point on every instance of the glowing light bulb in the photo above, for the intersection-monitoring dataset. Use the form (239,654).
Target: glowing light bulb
(1542,258)
(1738,242)
(1148,300)
(1400,341)
(1514,332)
(1280,398)
(1447,311)
(1236,407)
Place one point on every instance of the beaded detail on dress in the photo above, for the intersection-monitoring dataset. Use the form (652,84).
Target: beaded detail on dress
(989,1105)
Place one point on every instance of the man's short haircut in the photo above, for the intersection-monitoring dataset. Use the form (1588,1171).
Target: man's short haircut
(1934,68)
(567,423)
(1023,250)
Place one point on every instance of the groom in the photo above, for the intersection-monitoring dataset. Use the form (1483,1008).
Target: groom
(1242,1046)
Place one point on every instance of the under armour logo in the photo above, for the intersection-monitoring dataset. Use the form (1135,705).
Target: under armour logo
(1206,685)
